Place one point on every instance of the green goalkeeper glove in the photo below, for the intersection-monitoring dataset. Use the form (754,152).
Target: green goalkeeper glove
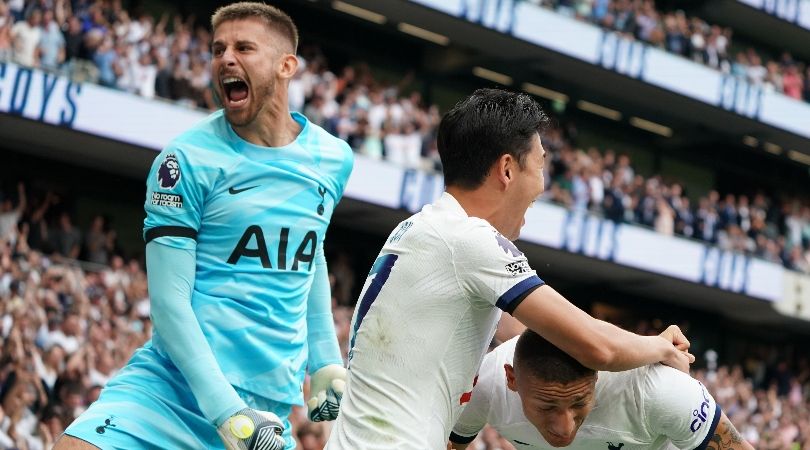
(250,429)
(326,390)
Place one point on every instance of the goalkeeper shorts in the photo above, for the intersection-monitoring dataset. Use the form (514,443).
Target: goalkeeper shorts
(148,405)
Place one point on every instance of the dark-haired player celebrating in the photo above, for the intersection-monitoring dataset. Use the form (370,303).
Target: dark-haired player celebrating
(538,397)
(433,297)
(236,213)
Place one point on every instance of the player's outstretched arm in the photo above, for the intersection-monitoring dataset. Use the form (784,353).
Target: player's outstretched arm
(726,437)
(327,375)
(595,343)
(171,274)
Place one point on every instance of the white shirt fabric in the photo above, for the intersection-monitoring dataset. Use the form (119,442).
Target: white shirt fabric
(8,224)
(653,407)
(426,316)
(26,38)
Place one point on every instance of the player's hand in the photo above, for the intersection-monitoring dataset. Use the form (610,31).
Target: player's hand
(250,429)
(674,334)
(679,359)
(326,390)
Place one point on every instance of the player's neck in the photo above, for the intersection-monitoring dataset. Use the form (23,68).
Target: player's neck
(273,127)
(481,202)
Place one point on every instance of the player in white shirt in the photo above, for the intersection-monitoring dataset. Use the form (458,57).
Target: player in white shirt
(433,298)
(538,397)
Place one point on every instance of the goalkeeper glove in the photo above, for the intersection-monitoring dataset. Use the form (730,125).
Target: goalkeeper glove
(326,390)
(250,429)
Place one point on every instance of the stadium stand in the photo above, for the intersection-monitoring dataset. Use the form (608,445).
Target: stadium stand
(693,38)
(141,57)
(74,305)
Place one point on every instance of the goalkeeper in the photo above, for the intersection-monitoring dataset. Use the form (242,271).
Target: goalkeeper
(236,212)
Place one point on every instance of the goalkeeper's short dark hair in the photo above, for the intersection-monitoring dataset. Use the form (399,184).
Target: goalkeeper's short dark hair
(543,360)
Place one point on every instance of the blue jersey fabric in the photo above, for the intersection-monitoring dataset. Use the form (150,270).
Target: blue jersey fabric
(148,405)
(259,216)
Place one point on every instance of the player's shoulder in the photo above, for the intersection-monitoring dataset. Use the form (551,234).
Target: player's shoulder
(448,216)
(658,374)
(639,377)
(332,154)
(653,381)
(476,236)
(207,138)
(632,383)
(209,132)
(327,144)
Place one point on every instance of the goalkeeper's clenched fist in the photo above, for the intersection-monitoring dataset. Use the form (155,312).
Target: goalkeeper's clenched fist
(250,429)
(326,390)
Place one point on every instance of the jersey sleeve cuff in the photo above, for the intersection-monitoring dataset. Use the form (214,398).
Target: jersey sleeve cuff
(517,293)
(703,445)
(458,439)
(171,231)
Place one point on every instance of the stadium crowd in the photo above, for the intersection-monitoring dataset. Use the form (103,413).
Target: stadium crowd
(693,38)
(379,122)
(607,184)
(67,325)
(98,41)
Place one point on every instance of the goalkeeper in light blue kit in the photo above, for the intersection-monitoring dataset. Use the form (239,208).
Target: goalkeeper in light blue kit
(237,209)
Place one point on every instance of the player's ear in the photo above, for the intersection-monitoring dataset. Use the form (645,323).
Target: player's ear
(288,66)
(510,377)
(504,169)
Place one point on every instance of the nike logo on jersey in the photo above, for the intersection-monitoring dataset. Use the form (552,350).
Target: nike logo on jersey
(521,443)
(234,190)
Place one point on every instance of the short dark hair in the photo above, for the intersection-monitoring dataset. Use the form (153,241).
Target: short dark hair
(482,127)
(274,18)
(542,359)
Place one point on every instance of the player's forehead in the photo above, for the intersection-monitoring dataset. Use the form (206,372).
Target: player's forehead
(560,393)
(247,29)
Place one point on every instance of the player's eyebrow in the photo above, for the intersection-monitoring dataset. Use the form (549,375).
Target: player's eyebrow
(580,398)
(221,43)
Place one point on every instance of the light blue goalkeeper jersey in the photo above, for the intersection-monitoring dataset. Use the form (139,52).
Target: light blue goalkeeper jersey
(258,217)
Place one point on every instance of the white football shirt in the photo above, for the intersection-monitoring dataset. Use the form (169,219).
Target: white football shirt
(651,408)
(422,325)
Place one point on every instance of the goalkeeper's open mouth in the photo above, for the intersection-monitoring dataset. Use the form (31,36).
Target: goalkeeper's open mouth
(236,90)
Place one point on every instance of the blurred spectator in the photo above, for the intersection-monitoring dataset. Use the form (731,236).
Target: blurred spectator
(51,43)
(99,242)
(792,82)
(67,238)
(26,36)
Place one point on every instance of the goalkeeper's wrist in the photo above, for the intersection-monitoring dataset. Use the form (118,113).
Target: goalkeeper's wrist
(230,412)
(313,368)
